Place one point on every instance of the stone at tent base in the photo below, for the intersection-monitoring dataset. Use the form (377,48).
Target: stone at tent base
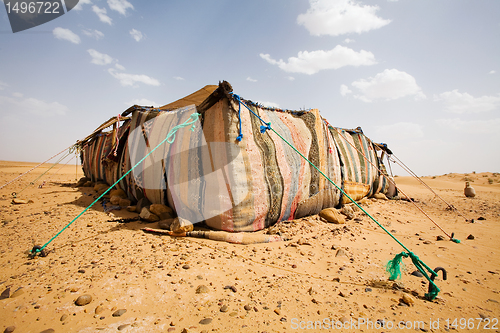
(380,196)
(88,184)
(132,208)
(181,225)
(118,193)
(332,216)
(115,200)
(165,224)
(164,212)
(124,202)
(144,202)
(347,211)
(21,201)
(82,181)
(148,216)
(364,201)
(100,187)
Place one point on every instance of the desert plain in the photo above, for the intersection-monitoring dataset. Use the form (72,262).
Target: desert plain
(321,277)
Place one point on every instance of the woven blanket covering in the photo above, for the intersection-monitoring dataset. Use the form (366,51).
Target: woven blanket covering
(208,175)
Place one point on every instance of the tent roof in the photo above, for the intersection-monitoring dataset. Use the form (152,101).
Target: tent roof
(195,98)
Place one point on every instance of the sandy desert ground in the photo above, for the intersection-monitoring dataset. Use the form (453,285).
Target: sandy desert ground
(325,277)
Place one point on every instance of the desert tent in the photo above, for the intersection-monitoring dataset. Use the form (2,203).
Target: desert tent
(222,165)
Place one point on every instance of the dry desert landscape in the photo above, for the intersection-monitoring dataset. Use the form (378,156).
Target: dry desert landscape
(322,277)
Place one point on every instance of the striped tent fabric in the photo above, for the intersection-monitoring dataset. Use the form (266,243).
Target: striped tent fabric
(360,164)
(207,174)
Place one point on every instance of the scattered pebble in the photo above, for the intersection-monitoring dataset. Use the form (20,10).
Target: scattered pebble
(9,329)
(341,253)
(83,300)
(408,300)
(17,293)
(119,313)
(21,201)
(417,273)
(5,294)
(224,308)
(470,236)
(202,289)
(206,321)
(122,327)
(233,288)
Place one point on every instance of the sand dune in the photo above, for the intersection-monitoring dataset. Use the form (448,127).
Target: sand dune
(323,274)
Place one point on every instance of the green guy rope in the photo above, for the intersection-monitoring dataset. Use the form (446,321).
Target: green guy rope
(394,265)
(170,139)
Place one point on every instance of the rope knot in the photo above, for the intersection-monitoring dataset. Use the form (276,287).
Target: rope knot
(395,266)
(264,128)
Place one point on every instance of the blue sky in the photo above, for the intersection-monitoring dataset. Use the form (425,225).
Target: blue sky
(422,76)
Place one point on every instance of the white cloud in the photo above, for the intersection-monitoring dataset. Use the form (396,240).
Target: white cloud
(269,104)
(344,90)
(136,34)
(315,61)
(32,105)
(99,58)
(472,126)
(465,103)
(66,34)
(130,79)
(492,72)
(79,5)
(120,6)
(93,33)
(120,67)
(251,80)
(290,78)
(348,40)
(389,85)
(17,95)
(101,13)
(142,102)
(337,17)
(178,78)
(3,85)
(400,131)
